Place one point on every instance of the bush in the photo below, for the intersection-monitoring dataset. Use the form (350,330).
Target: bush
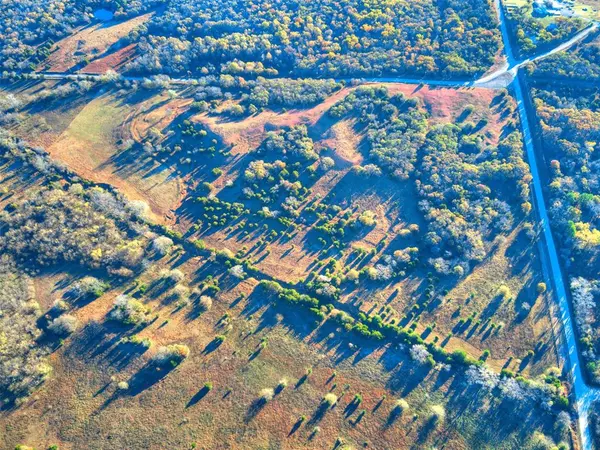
(89,286)
(326,163)
(352,275)
(329,399)
(139,209)
(234,110)
(181,292)
(205,302)
(22,361)
(129,311)
(172,355)
(145,342)
(237,271)
(162,245)
(437,415)
(225,255)
(400,406)
(540,441)
(283,383)
(461,357)
(266,395)
(367,218)
(504,292)
(562,402)
(173,276)
(64,325)
(59,307)
(199,244)
(541,288)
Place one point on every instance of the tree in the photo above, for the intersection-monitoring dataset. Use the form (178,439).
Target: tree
(162,245)
(129,311)
(172,355)
(64,325)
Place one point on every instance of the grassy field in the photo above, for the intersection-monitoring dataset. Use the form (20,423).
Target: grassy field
(82,406)
(265,344)
(88,135)
(589,9)
(90,144)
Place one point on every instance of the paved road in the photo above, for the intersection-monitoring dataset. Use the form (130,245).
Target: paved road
(191,81)
(582,393)
(500,78)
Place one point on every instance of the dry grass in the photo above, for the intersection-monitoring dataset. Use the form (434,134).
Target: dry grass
(588,8)
(90,143)
(81,404)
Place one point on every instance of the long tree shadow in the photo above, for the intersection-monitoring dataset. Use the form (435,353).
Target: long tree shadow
(198,396)
(213,345)
(103,342)
(425,432)
(255,407)
(123,353)
(351,408)
(393,417)
(296,426)
(275,312)
(146,377)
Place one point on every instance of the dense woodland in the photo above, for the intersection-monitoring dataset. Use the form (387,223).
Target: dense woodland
(29,27)
(47,227)
(256,95)
(321,38)
(570,128)
(396,127)
(461,182)
(582,63)
(23,363)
